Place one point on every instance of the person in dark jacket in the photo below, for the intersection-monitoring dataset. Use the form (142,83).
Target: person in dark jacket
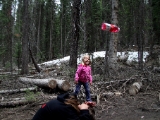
(65,107)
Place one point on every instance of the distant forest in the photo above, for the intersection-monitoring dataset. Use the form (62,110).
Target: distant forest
(42,30)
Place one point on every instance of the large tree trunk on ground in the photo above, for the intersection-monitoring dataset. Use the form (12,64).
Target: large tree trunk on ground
(63,84)
(50,83)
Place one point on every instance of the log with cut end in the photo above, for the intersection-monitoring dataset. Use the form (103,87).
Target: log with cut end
(63,84)
(134,88)
(50,82)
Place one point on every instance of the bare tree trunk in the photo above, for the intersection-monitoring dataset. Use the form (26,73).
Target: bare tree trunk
(11,43)
(87,25)
(140,40)
(152,41)
(51,42)
(75,39)
(114,37)
(62,28)
(25,38)
(34,62)
(51,31)
(7,7)
(106,66)
(38,31)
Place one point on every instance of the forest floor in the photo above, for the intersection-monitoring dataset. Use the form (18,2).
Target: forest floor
(145,105)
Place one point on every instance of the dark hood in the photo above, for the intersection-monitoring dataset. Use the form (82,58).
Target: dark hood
(64,96)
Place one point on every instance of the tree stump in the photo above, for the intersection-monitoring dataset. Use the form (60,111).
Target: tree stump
(135,87)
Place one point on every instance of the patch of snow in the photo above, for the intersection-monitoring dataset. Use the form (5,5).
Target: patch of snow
(133,56)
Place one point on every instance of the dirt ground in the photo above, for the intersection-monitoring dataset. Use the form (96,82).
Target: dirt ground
(145,105)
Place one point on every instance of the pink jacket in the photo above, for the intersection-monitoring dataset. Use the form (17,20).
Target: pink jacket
(83,73)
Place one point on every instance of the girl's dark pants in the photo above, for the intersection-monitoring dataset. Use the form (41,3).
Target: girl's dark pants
(86,87)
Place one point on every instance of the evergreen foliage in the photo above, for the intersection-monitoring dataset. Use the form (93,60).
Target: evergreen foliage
(50,27)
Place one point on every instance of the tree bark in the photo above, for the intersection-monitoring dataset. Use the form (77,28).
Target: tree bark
(114,38)
(140,40)
(49,83)
(34,62)
(14,102)
(135,87)
(76,30)
(17,90)
(25,38)
(63,84)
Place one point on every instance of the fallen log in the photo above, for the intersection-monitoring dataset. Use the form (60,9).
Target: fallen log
(63,85)
(11,99)
(17,90)
(15,102)
(134,88)
(50,83)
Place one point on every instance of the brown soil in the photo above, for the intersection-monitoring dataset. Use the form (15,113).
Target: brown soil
(145,105)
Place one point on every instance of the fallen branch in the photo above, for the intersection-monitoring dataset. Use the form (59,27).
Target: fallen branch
(50,83)
(117,82)
(17,90)
(15,102)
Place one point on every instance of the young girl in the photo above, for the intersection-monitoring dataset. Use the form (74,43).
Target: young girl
(83,77)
